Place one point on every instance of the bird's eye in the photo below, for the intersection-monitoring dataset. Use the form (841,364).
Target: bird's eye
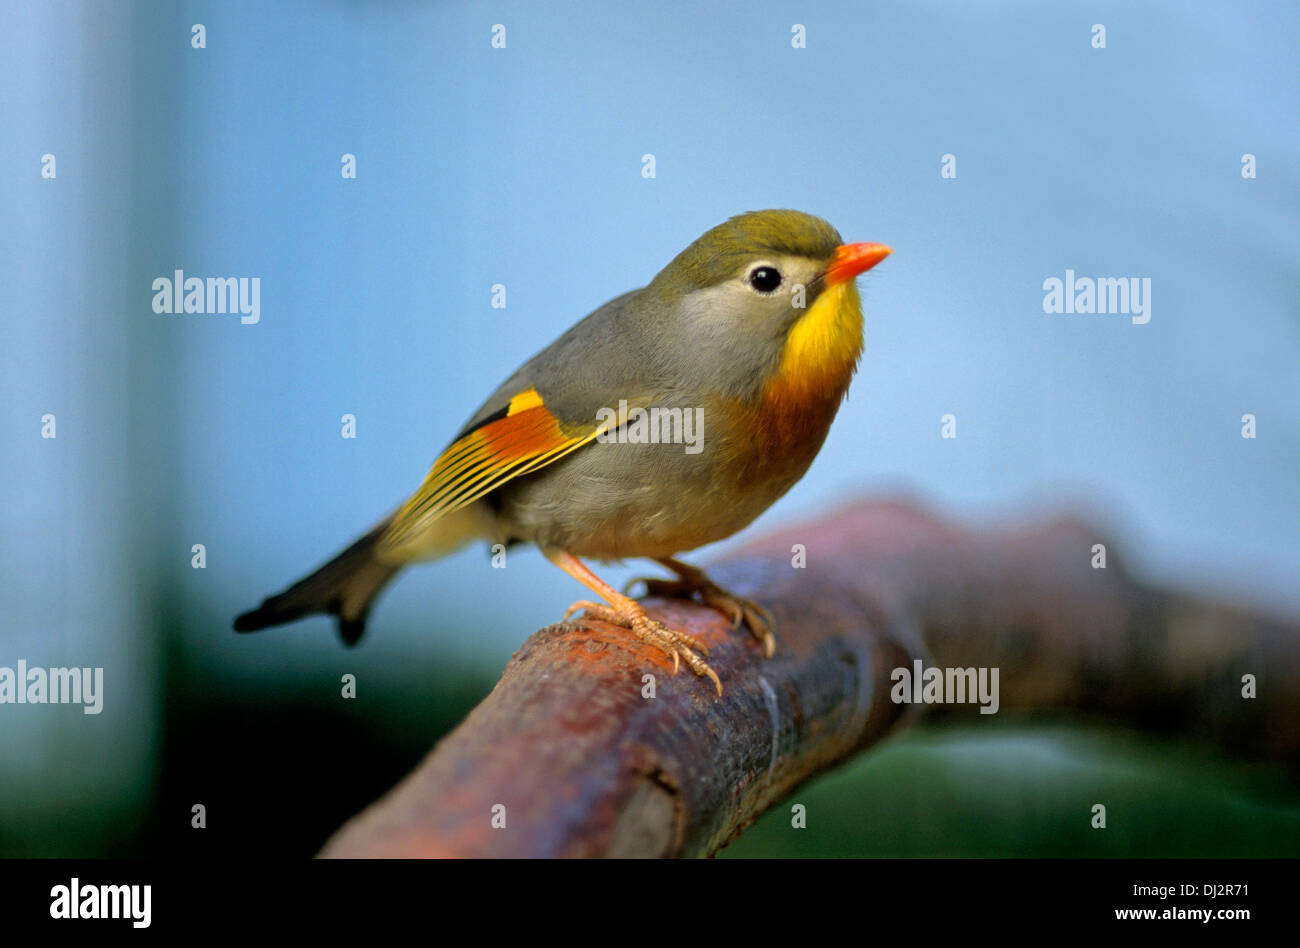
(765,279)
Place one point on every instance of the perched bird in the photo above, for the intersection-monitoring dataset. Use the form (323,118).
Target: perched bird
(751,334)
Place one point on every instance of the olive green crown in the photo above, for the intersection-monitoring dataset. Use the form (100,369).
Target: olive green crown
(715,256)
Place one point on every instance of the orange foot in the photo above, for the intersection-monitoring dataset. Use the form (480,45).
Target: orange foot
(692,581)
(679,645)
(630,614)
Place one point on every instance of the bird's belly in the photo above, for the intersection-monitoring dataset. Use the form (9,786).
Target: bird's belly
(611,501)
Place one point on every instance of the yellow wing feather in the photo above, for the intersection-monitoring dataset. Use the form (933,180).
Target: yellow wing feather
(527,437)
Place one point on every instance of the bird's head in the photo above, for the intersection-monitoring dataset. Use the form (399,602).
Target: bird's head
(770,295)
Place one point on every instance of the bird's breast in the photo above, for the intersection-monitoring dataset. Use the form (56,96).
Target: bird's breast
(632,498)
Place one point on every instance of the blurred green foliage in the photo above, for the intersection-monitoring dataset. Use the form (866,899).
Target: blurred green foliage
(1024,790)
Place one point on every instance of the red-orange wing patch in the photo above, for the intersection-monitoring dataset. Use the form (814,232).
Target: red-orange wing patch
(525,438)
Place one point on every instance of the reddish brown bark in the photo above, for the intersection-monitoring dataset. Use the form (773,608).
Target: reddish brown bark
(586,766)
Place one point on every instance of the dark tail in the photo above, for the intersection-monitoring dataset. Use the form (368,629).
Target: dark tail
(345,586)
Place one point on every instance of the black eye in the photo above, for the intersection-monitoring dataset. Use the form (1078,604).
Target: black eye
(765,279)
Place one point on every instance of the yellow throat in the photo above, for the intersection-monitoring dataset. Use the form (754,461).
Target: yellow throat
(821,351)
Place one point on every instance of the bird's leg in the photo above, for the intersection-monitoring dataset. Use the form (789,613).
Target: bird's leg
(629,613)
(692,580)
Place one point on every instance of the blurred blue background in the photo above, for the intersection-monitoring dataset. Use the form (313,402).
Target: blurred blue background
(522,166)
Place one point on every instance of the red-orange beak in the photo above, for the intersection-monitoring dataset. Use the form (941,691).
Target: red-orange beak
(852,259)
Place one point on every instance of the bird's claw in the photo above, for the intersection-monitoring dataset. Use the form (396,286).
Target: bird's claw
(680,645)
(740,610)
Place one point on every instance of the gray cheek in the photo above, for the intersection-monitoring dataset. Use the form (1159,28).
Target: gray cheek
(730,338)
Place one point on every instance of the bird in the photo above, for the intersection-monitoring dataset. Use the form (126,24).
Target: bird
(751,334)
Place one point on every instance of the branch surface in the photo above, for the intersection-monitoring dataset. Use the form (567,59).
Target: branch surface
(584,765)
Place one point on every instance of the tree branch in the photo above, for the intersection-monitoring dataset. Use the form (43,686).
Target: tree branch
(584,765)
